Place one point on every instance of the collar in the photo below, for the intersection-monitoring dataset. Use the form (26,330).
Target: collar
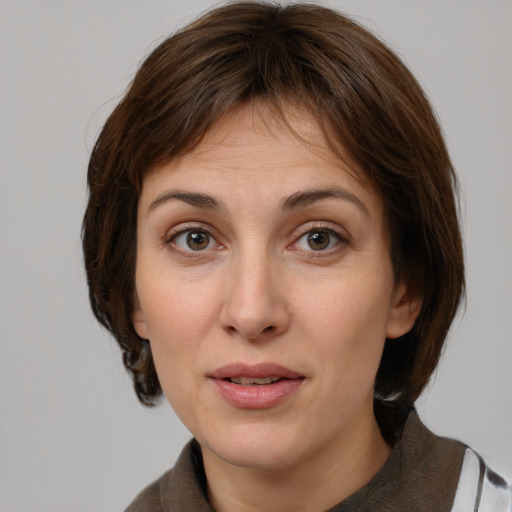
(422,469)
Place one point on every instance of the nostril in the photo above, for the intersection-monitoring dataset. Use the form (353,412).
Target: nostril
(270,328)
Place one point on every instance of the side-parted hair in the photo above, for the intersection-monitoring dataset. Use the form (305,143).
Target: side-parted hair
(370,105)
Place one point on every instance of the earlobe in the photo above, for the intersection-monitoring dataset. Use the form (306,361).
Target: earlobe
(138,320)
(405,308)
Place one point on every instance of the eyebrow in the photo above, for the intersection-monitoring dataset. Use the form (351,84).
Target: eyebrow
(297,200)
(192,198)
(303,199)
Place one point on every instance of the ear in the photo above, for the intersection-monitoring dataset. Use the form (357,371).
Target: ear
(405,307)
(139,320)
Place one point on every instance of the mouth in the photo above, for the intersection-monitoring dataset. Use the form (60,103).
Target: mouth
(260,386)
(253,381)
(262,374)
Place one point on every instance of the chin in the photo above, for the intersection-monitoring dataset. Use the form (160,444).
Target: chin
(254,447)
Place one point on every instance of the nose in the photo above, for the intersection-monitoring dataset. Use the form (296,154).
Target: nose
(256,305)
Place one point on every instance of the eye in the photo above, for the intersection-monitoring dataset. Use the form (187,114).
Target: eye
(319,240)
(193,240)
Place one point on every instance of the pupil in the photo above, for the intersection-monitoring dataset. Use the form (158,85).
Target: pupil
(318,240)
(198,240)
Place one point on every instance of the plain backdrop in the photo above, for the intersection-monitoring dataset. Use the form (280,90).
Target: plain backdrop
(72,435)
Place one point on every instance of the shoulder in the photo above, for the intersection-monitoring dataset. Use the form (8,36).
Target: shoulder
(181,488)
(151,498)
(480,489)
(444,474)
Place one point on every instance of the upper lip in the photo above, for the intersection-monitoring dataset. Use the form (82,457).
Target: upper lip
(254,370)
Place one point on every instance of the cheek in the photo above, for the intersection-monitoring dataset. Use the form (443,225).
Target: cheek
(178,318)
(176,310)
(347,318)
(175,334)
(355,308)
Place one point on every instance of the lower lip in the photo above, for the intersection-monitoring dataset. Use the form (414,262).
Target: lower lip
(256,396)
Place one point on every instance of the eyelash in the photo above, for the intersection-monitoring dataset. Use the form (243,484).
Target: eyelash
(334,236)
(171,238)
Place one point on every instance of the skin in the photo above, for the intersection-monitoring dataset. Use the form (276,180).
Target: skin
(261,291)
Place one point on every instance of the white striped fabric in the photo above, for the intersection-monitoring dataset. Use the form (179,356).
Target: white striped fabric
(480,489)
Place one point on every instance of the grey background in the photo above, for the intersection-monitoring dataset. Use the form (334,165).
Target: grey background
(72,435)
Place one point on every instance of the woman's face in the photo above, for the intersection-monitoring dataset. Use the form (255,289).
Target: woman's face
(265,287)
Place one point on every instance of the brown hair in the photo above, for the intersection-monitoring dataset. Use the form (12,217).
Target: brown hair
(353,84)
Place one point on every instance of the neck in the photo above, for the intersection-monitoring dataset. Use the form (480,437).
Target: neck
(317,483)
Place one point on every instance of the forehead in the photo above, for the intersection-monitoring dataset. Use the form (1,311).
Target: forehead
(290,132)
(262,154)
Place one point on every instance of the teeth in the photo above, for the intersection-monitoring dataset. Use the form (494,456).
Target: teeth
(251,381)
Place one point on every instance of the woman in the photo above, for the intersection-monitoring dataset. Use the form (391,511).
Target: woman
(272,238)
